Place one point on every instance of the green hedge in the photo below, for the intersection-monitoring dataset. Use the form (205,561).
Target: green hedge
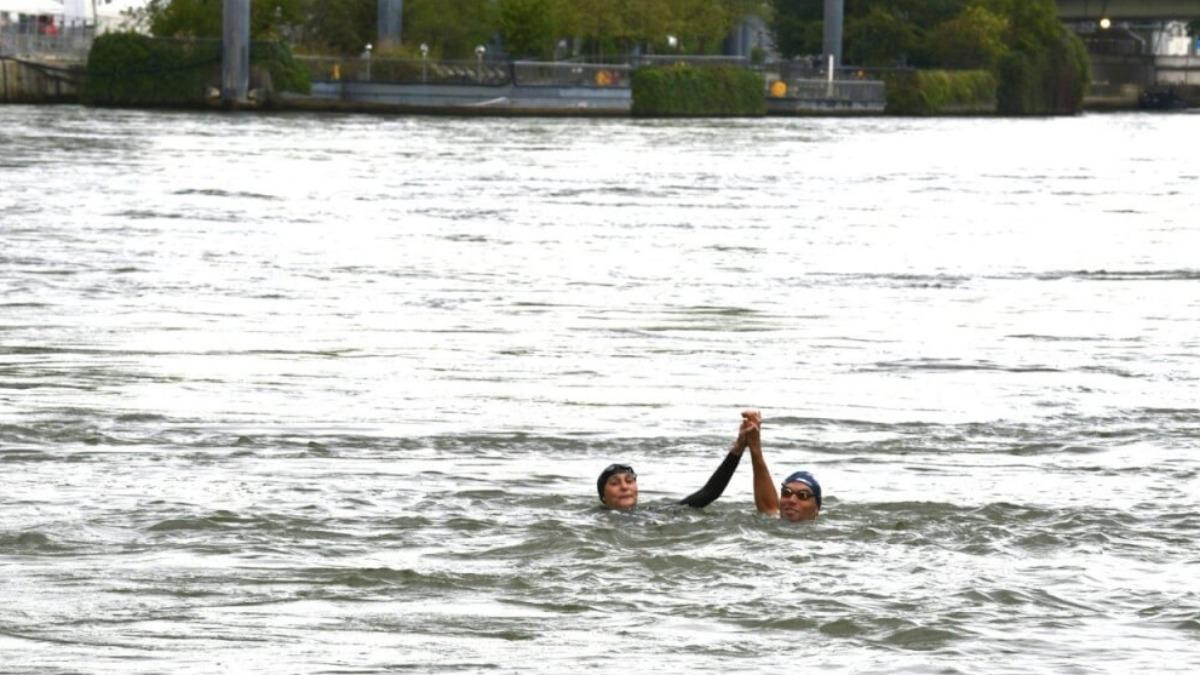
(134,69)
(684,90)
(934,92)
(130,69)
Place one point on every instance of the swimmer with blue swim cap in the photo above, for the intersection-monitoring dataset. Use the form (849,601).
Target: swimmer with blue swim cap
(799,496)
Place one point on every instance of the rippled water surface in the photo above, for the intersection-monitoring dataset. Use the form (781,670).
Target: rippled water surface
(328,394)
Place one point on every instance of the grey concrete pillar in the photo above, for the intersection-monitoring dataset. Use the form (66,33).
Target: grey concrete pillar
(390,21)
(831,43)
(235,52)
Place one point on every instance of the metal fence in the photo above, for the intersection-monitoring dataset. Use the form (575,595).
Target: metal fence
(690,59)
(563,73)
(405,71)
(559,74)
(72,44)
(416,71)
(848,91)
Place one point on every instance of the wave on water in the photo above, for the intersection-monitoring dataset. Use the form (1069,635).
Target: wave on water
(26,543)
(899,280)
(955,364)
(1123,275)
(213,192)
(147,214)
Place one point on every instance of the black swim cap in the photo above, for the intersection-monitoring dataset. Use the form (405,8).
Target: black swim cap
(610,471)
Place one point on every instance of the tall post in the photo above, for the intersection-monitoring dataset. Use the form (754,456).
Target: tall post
(831,43)
(389,21)
(235,52)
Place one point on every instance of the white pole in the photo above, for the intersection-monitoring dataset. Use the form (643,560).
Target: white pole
(829,78)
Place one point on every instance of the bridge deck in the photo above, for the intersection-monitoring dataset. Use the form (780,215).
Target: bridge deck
(1123,10)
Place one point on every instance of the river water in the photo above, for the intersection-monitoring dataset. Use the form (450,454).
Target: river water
(329,394)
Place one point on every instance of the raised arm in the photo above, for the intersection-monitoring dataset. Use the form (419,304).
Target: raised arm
(765,498)
(720,479)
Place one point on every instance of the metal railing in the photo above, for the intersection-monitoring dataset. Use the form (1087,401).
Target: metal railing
(416,71)
(848,91)
(690,59)
(72,44)
(567,74)
(405,71)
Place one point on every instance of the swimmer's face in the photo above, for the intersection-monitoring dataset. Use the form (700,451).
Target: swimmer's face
(796,502)
(621,492)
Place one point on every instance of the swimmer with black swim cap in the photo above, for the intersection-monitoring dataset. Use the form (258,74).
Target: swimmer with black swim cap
(618,488)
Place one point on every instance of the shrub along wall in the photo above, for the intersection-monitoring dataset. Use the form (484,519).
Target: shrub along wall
(129,69)
(684,90)
(941,92)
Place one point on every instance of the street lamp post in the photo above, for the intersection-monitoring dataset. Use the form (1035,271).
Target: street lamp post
(424,63)
(479,52)
(367,57)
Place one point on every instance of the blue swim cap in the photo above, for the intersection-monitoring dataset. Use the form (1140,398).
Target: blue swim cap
(806,478)
(610,471)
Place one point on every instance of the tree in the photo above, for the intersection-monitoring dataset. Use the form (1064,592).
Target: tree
(1046,68)
(880,38)
(339,26)
(973,39)
(204,18)
(796,27)
(451,28)
(700,25)
(531,27)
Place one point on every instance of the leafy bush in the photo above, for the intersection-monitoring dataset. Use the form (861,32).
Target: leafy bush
(1046,70)
(286,73)
(684,90)
(932,92)
(135,70)
(1050,80)
(130,69)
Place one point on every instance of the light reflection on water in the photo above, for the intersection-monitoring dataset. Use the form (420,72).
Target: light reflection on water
(321,393)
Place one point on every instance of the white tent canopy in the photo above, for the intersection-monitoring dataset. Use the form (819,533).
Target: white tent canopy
(70,8)
(31,6)
(75,10)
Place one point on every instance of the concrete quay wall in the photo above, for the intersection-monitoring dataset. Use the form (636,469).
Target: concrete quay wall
(463,99)
(24,81)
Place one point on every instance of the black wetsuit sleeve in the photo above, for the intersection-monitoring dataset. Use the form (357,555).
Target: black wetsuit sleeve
(715,485)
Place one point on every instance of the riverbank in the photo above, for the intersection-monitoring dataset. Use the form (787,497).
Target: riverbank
(24,80)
